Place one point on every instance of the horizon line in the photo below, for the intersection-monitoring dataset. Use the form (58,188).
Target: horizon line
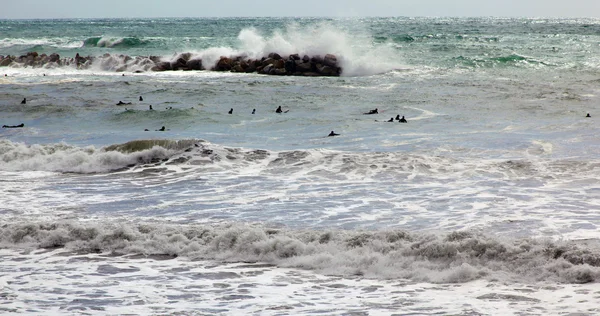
(306,17)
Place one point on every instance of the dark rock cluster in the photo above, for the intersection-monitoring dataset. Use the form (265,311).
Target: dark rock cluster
(273,64)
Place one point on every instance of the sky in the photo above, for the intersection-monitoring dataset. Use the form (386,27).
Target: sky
(48,9)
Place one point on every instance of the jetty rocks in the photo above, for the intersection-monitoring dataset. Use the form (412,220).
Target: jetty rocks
(273,64)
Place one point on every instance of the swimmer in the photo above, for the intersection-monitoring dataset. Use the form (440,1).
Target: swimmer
(333,134)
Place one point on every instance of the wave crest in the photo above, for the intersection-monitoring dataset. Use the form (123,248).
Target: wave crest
(115,42)
(441,258)
(62,157)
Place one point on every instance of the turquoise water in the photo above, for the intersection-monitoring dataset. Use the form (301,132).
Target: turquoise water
(492,183)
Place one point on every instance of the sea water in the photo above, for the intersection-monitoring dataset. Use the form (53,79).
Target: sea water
(485,203)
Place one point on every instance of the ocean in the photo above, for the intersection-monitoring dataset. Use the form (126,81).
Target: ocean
(486,202)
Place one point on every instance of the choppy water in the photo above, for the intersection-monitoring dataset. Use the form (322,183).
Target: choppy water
(486,200)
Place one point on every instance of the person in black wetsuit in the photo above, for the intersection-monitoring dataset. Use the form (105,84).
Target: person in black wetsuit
(333,134)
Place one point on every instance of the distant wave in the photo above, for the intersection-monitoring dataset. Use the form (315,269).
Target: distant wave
(453,257)
(118,42)
(33,44)
(512,60)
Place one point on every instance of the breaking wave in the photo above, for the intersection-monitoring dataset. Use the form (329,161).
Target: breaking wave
(62,157)
(118,42)
(454,257)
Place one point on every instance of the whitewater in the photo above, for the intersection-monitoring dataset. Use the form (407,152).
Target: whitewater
(484,203)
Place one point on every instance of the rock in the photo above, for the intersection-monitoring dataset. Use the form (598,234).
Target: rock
(266,70)
(277,72)
(290,66)
(179,64)
(6,62)
(272,64)
(237,68)
(317,59)
(328,71)
(330,60)
(155,59)
(224,64)
(275,56)
(162,66)
(252,66)
(185,56)
(194,64)
(304,67)
(268,61)
(55,58)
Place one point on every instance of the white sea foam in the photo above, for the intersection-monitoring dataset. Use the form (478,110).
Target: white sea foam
(55,42)
(58,282)
(65,158)
(456,257)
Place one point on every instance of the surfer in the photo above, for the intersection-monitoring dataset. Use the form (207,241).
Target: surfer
(120,103)
(24,101)
(162,129)
(230,111)
(391,119)
(253,111)
(588,115)
(333,134)
(13,126)
(403,120)
(372,112)
(278,109)
(398,117)
(150,107)
(141,99)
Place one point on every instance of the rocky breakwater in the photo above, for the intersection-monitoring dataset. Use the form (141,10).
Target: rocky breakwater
(273,64)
